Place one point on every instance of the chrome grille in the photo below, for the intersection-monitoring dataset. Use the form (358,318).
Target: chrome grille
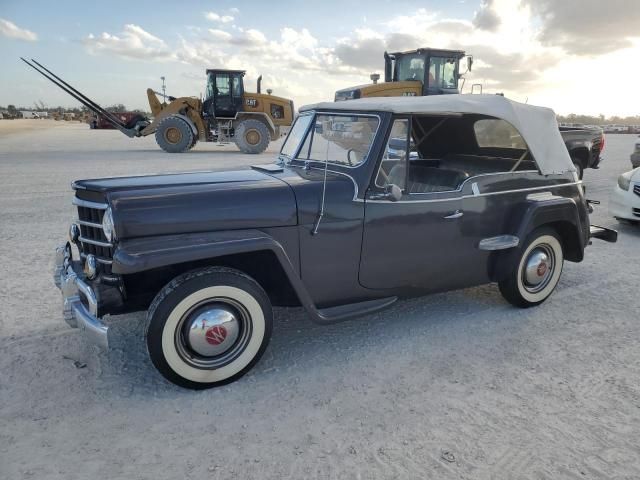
(636,188)
(636,212)
(92,239)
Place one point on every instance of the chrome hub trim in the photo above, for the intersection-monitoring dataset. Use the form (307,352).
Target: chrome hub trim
(538,268)
(213,333)
(212,330)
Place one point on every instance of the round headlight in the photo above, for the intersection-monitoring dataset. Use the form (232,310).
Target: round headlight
(107,225)
(624,181)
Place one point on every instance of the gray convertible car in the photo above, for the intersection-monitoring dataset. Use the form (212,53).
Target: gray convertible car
(342,224)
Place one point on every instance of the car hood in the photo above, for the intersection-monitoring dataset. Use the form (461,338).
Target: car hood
(193,202)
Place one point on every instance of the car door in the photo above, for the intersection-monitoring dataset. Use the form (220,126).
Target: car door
(416,241)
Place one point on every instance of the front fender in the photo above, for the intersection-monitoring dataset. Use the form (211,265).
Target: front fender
(141,254)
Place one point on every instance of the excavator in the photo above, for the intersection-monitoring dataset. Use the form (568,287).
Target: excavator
(226,114)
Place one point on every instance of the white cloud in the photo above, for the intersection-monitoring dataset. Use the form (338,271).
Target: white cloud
(220,35)
(11,30)
(515,47)
(215,17)
(133,43)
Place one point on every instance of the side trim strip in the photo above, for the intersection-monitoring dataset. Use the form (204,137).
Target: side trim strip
(530,189)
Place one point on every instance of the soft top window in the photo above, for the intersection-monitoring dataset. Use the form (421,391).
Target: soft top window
(497,133)
(446,151)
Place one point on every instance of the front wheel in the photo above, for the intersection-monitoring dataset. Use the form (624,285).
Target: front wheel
(535,272)
(174,135)
(208,327)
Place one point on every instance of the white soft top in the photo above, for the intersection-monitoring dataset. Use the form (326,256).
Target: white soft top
(537,125)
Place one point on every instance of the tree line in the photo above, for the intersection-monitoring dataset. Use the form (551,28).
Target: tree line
(599,120)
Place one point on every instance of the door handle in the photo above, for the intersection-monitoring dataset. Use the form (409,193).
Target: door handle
(456,214)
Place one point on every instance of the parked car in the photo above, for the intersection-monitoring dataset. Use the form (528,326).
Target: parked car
(585,145)
(635,156)
(625,197)
(337,225)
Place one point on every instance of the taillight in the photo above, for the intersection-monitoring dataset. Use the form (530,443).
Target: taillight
(602,143)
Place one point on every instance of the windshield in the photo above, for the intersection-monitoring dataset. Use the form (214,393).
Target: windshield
(295,135)
(410,67)
(342,139)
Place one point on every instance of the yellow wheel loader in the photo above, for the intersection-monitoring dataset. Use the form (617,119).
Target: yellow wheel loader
(425,71)
(226,114)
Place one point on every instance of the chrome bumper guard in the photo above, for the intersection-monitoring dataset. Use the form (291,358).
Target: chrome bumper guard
(74,290)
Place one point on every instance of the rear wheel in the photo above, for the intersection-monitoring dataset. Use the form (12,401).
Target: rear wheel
(535,272)
(208,327)
(174,135)
(252,136)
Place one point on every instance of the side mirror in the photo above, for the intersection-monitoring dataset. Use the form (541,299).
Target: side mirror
(469,63)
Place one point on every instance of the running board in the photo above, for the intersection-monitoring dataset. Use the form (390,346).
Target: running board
(350,310)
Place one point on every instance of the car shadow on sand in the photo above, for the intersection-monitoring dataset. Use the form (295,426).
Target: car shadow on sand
(297,344)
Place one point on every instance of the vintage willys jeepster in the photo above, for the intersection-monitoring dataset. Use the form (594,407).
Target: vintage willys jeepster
(368,201)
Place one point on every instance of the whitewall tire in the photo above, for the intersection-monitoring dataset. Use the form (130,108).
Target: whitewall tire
(535,272)
(208,327)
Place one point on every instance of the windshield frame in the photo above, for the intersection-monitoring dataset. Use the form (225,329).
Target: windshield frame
(286,158)
(295,161)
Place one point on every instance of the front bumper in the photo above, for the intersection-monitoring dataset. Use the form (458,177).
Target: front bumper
(79,301)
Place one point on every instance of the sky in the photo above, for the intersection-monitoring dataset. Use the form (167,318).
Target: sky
(575,56)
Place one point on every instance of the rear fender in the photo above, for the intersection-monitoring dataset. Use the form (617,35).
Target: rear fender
(559,213)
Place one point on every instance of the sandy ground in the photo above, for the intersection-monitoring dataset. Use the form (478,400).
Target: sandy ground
(457,385)
(22,125)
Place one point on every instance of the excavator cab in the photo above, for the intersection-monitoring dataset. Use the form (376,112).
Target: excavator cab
(225,90)
(437,70)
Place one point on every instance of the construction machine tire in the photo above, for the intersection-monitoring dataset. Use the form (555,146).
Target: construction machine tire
(174,135)
(252,136)
(193,143)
